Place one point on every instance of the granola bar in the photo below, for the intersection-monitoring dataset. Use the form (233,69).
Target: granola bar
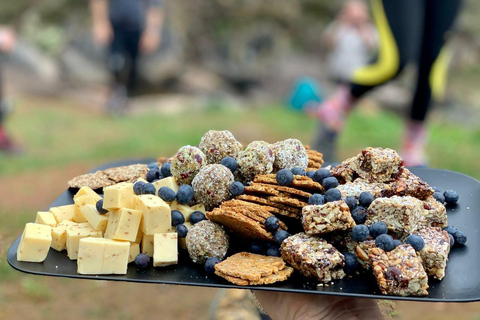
(401,214)
(399,272)
(435,253)
(313,257)
(344,171)
(362,250)
(353,189)
(407,184)
(435,214)
(377,164)
(332,216)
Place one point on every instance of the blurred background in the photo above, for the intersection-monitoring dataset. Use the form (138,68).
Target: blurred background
(239,65)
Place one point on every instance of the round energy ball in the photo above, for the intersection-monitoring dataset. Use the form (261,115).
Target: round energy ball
(289,154)
(257,158)
(206,239)
(186,164)
(217,145)
(211,183)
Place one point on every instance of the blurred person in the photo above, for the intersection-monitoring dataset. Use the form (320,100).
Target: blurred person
(350,40)
(7,44)
(409,31)
(129,27)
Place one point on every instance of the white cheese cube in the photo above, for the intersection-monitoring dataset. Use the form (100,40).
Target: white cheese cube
(62,213)
(165,249)
(118,196)
(59,235)
(35,243)
(97,221)
(46,218)
(156,214)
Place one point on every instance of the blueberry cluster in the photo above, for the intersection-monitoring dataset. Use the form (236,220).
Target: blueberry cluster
(456,236)
(449,197)
(141,187)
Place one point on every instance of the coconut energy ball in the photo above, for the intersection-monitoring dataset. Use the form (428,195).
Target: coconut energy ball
(206,239)
(217,145)
(289,154)
(211,184)
(186,164)
(257,158)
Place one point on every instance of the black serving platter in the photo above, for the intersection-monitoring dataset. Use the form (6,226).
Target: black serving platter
(461,282)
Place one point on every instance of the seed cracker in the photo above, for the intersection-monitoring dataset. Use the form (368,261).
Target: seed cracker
(95,180)
(261,189)
(127,173)
(288,201)
(292,191)
(263,201)
(255,211)
(282,275)
(250,266)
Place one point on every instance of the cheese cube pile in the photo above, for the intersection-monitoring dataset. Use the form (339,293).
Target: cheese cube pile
(106,243)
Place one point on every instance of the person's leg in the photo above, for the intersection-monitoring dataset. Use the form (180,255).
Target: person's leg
(398,24)
(116,65)
(439,17)
(132,48)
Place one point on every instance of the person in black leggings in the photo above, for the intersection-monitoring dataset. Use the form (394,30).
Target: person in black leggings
(410,31)
(129,27)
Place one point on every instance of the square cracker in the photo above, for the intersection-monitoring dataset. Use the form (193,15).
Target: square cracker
(127,173)
(250,266)
(282,275)
(95,180)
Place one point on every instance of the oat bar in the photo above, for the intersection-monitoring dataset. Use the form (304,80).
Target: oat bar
(332,216)
(313,257)
(435,214)
(377,164)
(353,189)
(399,272)
(344,171)
(435,253)
(401,214)
(407,184)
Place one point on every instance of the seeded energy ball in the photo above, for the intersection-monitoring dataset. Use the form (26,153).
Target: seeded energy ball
(206,239)
(186,164)
(257,158)
(211,184)
(289,154)
(217,145)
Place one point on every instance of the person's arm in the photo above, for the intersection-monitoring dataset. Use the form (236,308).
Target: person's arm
(7,39)
(290,306)
(101,27)
(151,37)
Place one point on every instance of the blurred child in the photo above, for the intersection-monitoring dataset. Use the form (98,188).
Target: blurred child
(130,27)
(7,44)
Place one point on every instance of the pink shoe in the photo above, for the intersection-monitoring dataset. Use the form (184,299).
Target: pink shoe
(333,112)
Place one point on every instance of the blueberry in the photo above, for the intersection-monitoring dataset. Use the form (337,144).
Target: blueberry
(385,242)
(310,174)
(317,199)
(329,183)
(359,215)
(351,203)
(210,264)
(182,230)
(153,165)
(230,163)
(272,224)
(451,196)
(165,169)
(450,229)
(281,235)
(99,206)
(184,194)
(452,240)
(460,238)
(149,188)
(256,247)
(365,199)
(360,232)
(152,174)
(236,188)
(397,243)
(350,263)
(436,189)
(439,197)
(196,217)
(321,174)
(274,252)
(284,177)
(415,241)
(333,195)
(138,187)
(177,218)
(298,171)
(142,261)
(166,194)
(378,228)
